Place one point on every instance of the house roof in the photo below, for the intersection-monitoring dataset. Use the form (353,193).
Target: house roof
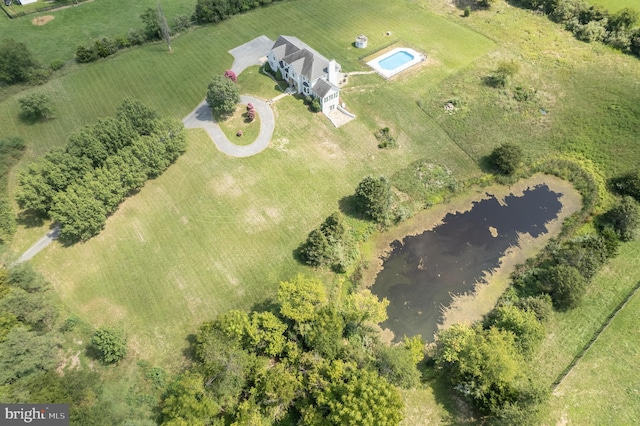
(322,87)
(303,58)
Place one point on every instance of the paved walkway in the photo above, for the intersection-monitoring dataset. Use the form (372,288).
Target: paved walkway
(40,245)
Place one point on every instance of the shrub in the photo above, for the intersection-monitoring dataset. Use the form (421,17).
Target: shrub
(181,23)
(522,94)
(628,184)
(105,47)
(506,158)
(279,75)
(315,105)
(110,345)
(251,115)
(56,64)
(231,76)
(137,37)
(385,140)
(122,42)
(625,218)
(467,11)
(86,54)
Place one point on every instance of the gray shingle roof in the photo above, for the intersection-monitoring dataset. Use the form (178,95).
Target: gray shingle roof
(322,87)
(304,59)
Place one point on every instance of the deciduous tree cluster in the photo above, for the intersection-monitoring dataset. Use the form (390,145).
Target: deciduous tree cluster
(80,185)
(308,358)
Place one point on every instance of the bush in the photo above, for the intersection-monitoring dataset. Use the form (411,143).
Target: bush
(628,184)
(137,37)
(315,105)
(16,62)
(522,94)
(231,76)
(86,54)
(122,42)
(181,23)
(56,64)
(278,75)
(105,47)
(625,218)
(467,11)
(506,158)
(110,345)
(385,140)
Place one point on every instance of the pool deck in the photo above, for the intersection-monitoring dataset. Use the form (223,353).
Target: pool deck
(375,63)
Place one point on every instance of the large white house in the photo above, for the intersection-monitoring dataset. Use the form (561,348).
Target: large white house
(310,73)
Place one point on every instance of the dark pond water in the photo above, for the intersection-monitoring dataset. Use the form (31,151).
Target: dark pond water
(423,271)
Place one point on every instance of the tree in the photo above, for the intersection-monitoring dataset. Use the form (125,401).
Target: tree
(301,297)
(316,250)
(80,215)
(374,198)
(187,403)
(16,62)
(484,365)
(628,184)
(364,306)
(526,327)
(164,27)
(623,19)
(143,119)
(396,364)
(222,95)
(110,344)
(506,158)
(568,286)
(276,391)
(266,334)
(36,106)
(24,352)
(503,73)
(86,54)
(152,28)
(625,218)
(211,11)
(363,398)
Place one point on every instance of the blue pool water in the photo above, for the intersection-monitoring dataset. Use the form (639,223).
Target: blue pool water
(396,60)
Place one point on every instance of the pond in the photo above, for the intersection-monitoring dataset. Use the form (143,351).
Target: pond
(423,272)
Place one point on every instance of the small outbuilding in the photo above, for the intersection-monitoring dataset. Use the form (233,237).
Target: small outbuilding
(361,41)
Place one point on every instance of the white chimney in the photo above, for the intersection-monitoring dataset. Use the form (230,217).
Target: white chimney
(333,75)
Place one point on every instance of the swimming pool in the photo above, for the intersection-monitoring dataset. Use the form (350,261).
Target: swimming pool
(395,61)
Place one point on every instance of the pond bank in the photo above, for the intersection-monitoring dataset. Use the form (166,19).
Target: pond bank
(470,306)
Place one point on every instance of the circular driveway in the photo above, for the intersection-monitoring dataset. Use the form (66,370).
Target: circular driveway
(202,118)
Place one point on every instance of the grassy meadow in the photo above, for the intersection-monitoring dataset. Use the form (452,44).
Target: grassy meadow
(215,233)
(615,5)
(83,24)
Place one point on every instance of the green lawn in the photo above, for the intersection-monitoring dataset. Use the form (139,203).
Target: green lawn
(83,24)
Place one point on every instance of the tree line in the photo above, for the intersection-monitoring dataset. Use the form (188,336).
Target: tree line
(80,185)
(592,22)
(308,358)
(33,332)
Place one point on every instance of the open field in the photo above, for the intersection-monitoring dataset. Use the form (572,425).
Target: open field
(215,233)
(615,5)
(83,24)
(603,387)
